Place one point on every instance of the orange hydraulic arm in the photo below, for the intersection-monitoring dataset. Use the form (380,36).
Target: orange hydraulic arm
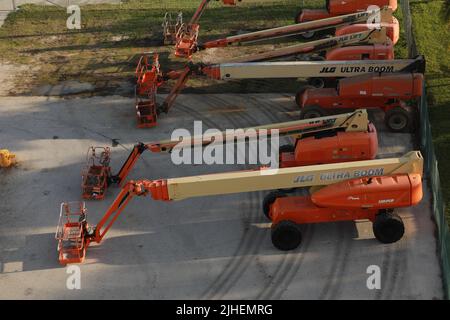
(202,7)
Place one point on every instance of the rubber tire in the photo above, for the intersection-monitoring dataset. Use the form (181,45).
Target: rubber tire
(317,83)
(269,199)
(286,235)
(307,111)
(400,113)
(388,227)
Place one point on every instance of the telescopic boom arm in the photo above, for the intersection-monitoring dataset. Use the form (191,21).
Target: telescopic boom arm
(187,41)
(356,121)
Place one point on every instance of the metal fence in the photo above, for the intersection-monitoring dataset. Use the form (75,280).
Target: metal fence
(432,171)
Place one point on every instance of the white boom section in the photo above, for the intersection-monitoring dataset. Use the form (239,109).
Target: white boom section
(296,177)
(306,69)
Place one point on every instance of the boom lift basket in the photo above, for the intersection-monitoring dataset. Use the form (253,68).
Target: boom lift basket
(70,232)
(186,40)
(148,80)
(96,173)
(146,112)
(170,29)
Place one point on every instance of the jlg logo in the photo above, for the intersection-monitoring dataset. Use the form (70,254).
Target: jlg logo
(328,70)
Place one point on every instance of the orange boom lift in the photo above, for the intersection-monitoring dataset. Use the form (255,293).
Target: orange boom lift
(370,189)
(319,74)
(338,138)
(187,42)
(388,92)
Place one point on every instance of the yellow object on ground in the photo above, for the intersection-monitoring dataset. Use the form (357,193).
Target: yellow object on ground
(7,158)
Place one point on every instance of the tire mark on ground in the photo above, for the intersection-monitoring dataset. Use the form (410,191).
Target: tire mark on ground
(245,246)
(334,266)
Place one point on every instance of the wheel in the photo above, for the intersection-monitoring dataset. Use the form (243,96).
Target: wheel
(398,119)
(310,112)
(308,35)
(286,235)
(299,94)
(388,227)
(269,199)
(317,82)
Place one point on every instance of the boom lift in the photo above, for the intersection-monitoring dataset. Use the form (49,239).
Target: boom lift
(388,92)
(94,178)
(150,76)
(338,138)
(369,189)
(187,44)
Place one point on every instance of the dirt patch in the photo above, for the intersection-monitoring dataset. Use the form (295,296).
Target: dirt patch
(9,78)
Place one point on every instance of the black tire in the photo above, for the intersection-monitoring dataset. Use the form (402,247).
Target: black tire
(311,112)
(318,83)
(398,120)
(307,35)
(388,227)
(286,235)
(269,199)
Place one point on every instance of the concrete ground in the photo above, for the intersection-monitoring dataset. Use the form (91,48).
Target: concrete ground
(208,248)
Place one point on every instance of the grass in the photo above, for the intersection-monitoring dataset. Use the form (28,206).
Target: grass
(105,51)
(431,27)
